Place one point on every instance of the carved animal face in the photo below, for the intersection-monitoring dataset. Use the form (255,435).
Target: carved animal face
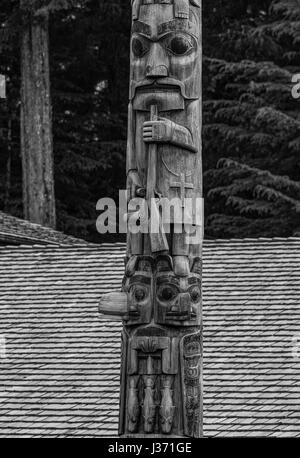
(165,53)
(178,299)
(139,293)
(138,287)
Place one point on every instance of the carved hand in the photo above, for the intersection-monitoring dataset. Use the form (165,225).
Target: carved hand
(134,185)
(160,131)
(165,131)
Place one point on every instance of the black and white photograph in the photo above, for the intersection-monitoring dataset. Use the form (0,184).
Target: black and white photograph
(149,222)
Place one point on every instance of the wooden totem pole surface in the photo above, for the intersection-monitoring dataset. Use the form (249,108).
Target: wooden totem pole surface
(160,302)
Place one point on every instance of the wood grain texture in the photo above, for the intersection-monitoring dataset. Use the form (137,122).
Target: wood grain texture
(161,390)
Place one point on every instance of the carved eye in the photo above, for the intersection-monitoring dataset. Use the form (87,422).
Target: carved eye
(139,294)
(195,294)
(167,293)
(139,48)
(179,45)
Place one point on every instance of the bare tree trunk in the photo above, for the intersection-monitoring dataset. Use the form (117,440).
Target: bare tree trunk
(8,167)
(36,123)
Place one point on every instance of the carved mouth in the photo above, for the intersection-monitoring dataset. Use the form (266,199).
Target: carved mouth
(153,88)
(161,84)
(180,314)
(166,97)
(133,313)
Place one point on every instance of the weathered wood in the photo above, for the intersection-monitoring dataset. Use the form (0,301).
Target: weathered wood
(161,392)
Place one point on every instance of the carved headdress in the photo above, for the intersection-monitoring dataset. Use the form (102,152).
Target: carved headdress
(181,7)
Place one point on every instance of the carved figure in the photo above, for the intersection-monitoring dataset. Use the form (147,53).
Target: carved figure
(167,409)
(165,73)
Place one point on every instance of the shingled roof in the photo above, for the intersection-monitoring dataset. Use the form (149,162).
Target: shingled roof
(60,363)
(16,231)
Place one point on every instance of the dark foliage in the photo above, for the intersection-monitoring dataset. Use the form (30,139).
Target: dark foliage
(251,131)
(251,123)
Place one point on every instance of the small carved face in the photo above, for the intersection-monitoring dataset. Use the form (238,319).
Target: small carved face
(178,298)
(166,424)
(139,293)
(149,421)
(138,287)
(165,49)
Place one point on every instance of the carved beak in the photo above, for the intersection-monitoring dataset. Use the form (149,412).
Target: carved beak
(113,305)
(182,308)
(185,304)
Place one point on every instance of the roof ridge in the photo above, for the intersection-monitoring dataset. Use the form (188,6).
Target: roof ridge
(15,229)
(120,246)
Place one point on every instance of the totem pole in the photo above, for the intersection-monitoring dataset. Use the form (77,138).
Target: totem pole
(160,302)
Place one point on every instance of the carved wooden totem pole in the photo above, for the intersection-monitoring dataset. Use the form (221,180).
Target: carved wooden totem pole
(160,302)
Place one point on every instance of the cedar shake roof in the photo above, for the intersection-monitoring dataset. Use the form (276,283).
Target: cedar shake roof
(16,231)
(59,362)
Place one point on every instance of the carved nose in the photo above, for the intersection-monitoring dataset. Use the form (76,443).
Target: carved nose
(159,71)
(157,63)
(185,302)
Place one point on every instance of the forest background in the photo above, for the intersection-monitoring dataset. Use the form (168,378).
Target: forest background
(251,122)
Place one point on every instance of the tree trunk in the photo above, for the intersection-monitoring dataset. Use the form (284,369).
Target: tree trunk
(8,166)
(36,123)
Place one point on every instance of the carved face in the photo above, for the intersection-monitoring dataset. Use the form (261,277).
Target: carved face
(138,287)
(178,299)
(165,55)
(149,420)
(166,424)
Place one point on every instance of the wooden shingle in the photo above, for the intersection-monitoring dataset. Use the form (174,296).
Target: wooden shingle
(60,362)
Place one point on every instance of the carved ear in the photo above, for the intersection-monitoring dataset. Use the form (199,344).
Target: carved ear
(145,264)
(195,3)
(139,263)
(131,266)
(164,263)
(135,9)
(197,266)
(181,9)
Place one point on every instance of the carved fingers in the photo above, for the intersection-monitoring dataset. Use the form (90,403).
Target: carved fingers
(134,185)
(158,131)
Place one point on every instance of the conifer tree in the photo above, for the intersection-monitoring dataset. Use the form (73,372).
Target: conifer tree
(251,121)
(28,20)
